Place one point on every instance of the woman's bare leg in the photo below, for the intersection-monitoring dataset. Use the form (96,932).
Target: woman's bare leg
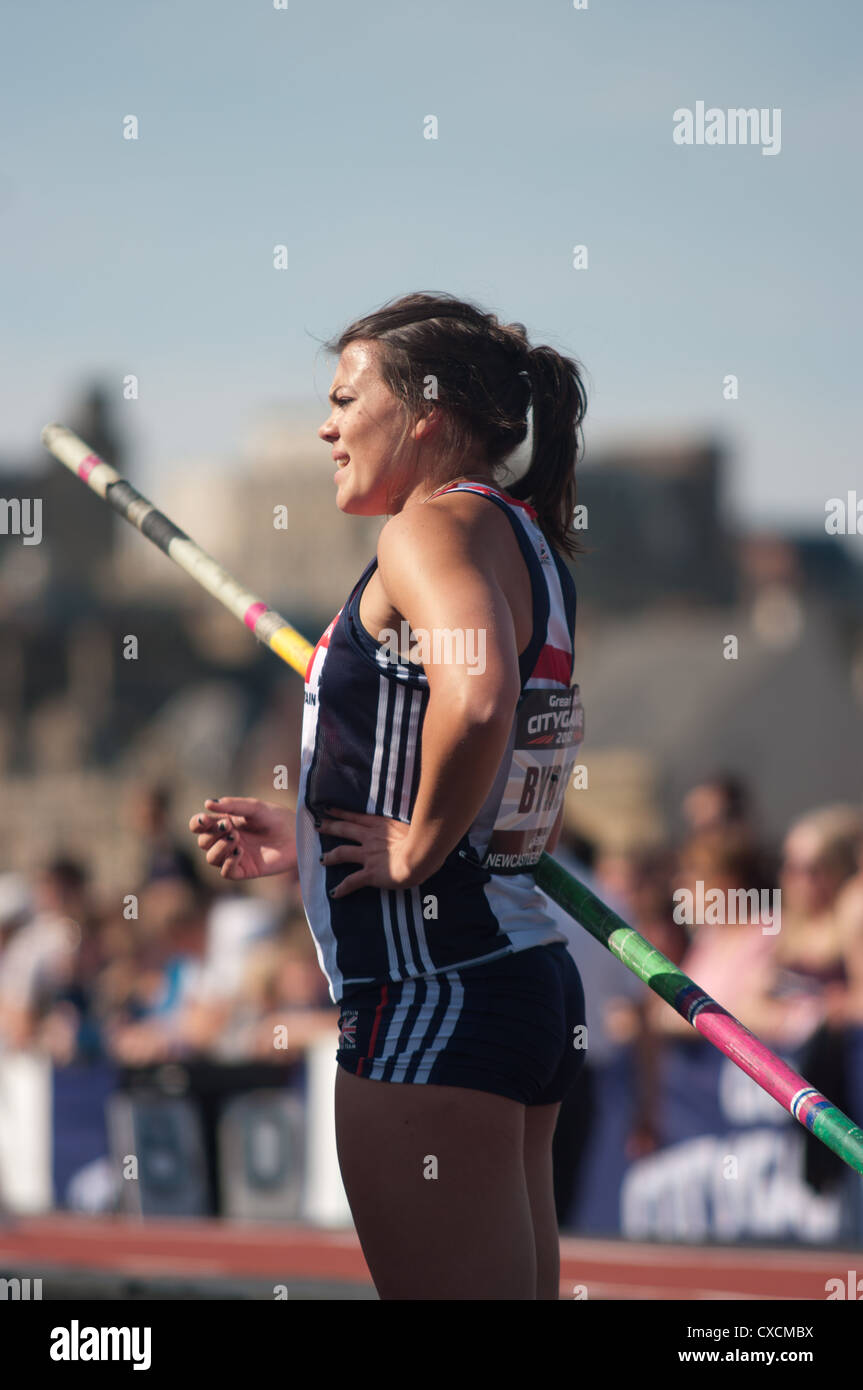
(539,1126)
(436,1183)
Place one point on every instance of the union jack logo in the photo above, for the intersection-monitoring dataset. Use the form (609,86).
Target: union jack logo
(348,1030)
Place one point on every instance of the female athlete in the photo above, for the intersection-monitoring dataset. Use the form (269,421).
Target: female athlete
(441,724)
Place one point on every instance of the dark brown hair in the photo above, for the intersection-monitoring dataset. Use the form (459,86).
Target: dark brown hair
(486,377)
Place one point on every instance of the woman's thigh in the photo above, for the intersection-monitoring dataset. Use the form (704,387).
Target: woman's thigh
(436,1182)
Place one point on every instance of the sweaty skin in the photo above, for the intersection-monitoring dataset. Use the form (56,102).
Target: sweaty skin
(430,576)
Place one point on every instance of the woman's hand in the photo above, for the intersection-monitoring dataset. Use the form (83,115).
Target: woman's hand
(246,838)
(380,850)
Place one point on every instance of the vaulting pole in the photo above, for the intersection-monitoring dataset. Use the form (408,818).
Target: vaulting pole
(708,1017)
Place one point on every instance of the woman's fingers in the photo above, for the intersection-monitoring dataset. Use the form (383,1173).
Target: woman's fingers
(211,829)
(360,879)
(207,821)
(342,854)
(206,842)
(231,806)
(218,837)
(220,850)
(342,828)
(203,821)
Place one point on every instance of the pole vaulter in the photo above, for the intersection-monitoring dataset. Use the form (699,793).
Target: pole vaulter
(802,1101)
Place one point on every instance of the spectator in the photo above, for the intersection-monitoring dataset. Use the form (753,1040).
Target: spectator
(38,961)
(236,922)
(71,1028)
(16,905)
(163,855)
(818,957)
(720,802)
(849,914)
(167,1014)
(283,1002)
(731,960)
(820,858)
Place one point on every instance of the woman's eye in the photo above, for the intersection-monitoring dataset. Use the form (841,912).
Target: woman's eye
(343,400)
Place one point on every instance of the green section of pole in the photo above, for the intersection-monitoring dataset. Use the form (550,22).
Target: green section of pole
(623,941)
(728,1034)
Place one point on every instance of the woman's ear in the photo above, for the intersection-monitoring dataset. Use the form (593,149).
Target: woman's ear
(428,425)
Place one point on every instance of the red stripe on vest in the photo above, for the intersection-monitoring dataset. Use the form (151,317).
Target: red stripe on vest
(554,664)
(323,641)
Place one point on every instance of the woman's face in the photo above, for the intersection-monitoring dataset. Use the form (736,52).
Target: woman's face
(364,429)
(809,885)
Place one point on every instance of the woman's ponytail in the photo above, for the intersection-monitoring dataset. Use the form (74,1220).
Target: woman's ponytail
(559,403)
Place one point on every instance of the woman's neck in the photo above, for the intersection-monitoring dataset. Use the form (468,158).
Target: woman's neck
(485,478)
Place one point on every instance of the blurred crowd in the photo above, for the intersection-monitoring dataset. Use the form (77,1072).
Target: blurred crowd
(792,962)
(183,966)
(790,968)
(188,965)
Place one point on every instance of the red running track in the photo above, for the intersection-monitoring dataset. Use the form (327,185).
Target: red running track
(217,1250)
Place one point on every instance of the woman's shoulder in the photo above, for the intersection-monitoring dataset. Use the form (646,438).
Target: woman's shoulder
(453,525)
(443,528)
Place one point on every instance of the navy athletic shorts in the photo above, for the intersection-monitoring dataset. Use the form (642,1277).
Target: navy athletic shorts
(514,1026)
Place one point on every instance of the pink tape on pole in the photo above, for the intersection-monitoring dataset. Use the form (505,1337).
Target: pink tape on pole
(253,613)
(86,466)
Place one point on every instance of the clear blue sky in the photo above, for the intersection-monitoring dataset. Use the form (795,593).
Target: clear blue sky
(304,126)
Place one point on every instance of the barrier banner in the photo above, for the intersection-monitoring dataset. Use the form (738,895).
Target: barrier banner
(732,1166)
(82,1174)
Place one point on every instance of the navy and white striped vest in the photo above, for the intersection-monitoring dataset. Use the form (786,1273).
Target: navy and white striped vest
(362,727)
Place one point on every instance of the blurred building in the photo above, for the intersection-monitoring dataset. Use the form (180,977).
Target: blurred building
(664,582)
(269,516)
(654,527)
(72,560)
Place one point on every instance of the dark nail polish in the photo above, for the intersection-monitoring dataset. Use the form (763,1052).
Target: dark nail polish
(235,851)
(232,837)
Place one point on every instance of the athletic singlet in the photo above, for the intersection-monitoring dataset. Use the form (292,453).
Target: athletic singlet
(362,729)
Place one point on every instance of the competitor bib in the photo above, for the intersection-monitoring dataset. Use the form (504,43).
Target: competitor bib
(548,733)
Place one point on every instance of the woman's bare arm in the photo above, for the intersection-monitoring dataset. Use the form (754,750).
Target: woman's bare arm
(433,572)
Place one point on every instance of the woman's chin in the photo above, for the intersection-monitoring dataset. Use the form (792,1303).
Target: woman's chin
(351,505)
